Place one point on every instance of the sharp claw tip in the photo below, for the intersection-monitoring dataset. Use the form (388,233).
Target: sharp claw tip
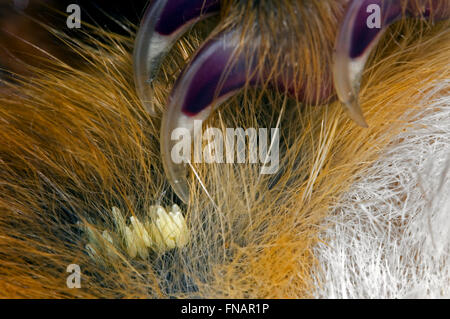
(364,124)
(181,189)
(355,113)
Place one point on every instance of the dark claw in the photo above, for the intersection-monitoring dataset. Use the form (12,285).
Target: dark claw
(360,33)
(216,72)
(163,23)
(178,14)
(220,69)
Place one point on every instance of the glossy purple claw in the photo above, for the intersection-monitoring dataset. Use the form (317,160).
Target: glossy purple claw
(363,26)
(163,23)
(216,72)
(221,68)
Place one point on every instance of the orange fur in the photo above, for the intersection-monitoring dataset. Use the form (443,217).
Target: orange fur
(76,142)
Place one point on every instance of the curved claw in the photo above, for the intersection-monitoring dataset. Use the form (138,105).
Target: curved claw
(217,72)
(364,24)
(221,68)
(163,23)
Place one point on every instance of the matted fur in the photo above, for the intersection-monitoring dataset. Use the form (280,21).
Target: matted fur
(76,142)
(390,232)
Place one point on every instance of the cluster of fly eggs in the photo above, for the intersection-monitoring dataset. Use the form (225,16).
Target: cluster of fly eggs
(162,230)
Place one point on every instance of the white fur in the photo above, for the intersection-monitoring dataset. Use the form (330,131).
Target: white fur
(390,234)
